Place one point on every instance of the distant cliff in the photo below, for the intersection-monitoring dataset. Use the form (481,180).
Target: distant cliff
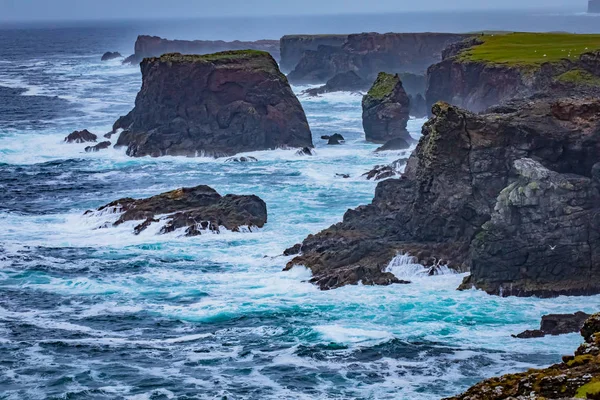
(594,7)
(367,54)
(294,46)
(154,46)
(491,69)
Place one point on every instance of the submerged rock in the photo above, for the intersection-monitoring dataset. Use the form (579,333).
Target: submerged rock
(576,377)
(386,109)
(334,139)
(81,137)
(451,206)
(217,105)
(110,56)
(557,324)
(394,144)
(241,159)
(98,147)
(199,209)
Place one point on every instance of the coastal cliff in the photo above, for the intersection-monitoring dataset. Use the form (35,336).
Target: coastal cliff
(154,46)
(463,167)
(490,69)
(293,47)
(218,105)
(367,54)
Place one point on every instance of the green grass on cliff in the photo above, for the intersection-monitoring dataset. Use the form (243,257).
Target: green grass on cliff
(530,49)
(383,86)
(224,55)
(579,77)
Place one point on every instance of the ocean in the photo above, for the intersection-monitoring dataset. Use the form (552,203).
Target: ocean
(90,313)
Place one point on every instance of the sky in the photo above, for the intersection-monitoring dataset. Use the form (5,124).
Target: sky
(30,10)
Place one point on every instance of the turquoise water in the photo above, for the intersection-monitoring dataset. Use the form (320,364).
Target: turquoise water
(103,314)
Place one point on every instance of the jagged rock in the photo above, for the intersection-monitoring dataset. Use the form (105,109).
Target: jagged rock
(380,172)
(394,144)
(110,56)
(241,159)
(386,110)
(305,151)
(576,377)
(81,137)
(293,47)
(557,324)
(294,250)
(98,147)
(335,139)
(154,46)
(216,104)
(450,188)
(199,209)
(343,82)
(367,54)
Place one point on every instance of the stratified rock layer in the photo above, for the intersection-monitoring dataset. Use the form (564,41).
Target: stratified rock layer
(451,187)
(577,376)
(218,105)
(199,209)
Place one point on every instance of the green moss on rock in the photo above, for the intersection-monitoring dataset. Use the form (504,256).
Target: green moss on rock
(579,77)
(384,85)
(592,388)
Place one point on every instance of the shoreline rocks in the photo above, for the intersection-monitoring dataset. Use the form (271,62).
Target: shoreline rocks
(83,136)
(110,56)
(293,47)
(343,82)
(198,209)
(98,147)
(557,324)
(213,105)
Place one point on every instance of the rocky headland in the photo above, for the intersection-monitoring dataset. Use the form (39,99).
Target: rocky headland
(293,47)
(367,54)
(154,46)
(199,210)
(343,82)
(510,195)
(577,377)
(214,105)
(488,70)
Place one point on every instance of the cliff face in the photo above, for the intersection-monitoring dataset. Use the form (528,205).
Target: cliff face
(367,54)
(386,110)
(594,7)
(293,47)
(576,377)
(218,104)
(475,83)
(450,189)
(154,46)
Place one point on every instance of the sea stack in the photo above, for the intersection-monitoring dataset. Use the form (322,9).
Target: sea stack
(386,109)
(215,105)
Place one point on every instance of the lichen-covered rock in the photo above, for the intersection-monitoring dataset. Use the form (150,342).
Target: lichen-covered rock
(576,377)
(451,186)
(386,110)
(217,105)
(81,137)
(199,209)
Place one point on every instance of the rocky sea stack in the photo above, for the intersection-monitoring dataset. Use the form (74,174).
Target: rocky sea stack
(386,109)
(217,105)
(198,209)
(577,377)
(511,195)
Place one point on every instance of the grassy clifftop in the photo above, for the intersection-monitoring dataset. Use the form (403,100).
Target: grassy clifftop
(530,49)
(383,86)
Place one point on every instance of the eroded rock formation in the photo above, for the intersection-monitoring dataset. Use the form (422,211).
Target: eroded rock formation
(110,56)
(81,137)
(218,105)
(293,47)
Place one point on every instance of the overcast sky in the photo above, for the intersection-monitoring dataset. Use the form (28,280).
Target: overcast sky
(12,10)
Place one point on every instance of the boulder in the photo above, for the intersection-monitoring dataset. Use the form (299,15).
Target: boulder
(98,147)
(461,188)
(81,137)
(110,56)
(380,172)
(213,105)
(576,377)
(343,82)
(198,209)
(394,144)
(386,109)
(557,324)
(335,139)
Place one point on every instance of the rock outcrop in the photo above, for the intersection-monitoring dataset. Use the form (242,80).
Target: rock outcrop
(577,376)
(343,82)
(293,47)
(98,147)
(474,82)
(154,46)
(367,54)
(110,56)
(81,137)
(216,105)
(557,324)
(199,209)
(460,188)
(386,109)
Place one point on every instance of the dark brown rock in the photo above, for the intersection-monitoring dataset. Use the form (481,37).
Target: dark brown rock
(199,209)
(218,105)
(557,324)
(81,137)
(98,147)
(110,56)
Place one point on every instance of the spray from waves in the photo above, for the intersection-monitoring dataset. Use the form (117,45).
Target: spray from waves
(404,266)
